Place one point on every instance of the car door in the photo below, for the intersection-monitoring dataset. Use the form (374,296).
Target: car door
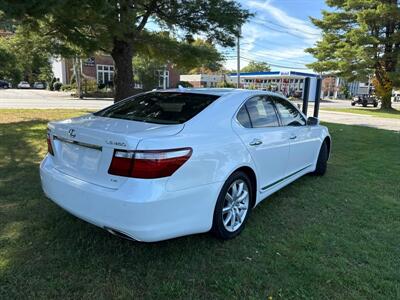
(268,143)
(304,141)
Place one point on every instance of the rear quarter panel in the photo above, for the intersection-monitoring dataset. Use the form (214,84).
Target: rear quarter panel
(215,156)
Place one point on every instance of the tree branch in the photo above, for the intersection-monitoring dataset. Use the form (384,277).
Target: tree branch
(146,15)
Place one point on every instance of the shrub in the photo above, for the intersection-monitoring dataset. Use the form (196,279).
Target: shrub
(68,87)
(51,87)
(184,84)
(57,86)
(89,85)
(225,84)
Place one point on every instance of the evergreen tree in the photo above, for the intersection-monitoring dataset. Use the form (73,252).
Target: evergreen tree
(361,38)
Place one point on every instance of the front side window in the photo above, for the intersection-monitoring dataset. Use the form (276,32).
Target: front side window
(159,108)
(261,113)
(290,115)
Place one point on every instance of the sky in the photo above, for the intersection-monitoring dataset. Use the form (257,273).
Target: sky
(278,34)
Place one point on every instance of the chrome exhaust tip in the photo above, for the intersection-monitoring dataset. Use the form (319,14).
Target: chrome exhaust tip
(119,234)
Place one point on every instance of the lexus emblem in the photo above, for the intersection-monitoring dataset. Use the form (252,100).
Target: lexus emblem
(72,133)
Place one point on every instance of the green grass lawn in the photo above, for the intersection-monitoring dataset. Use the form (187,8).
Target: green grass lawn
(331,237)
(375,112)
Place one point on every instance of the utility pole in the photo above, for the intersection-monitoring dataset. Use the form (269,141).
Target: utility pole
(238,57)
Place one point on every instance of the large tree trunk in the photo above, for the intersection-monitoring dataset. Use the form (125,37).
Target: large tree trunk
(387,100)
(383,86)
(122,53)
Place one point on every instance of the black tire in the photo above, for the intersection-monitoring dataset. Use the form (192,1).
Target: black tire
(365,104)
(322,162)
(218,228)
(353,104)
(375,104)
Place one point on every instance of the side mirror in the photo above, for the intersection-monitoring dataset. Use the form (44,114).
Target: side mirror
(312,121)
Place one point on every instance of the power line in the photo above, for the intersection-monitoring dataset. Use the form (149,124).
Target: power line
(275,56)
(274,65)
(295,61)
(285,27)
(281,31)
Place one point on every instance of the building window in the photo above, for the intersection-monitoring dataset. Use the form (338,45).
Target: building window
(161,78)
(105,74)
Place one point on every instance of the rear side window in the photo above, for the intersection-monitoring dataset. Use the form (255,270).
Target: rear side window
(159,108)
(261,113)
(243,117)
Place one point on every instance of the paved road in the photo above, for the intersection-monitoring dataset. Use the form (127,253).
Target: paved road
(43,99)
(46,99)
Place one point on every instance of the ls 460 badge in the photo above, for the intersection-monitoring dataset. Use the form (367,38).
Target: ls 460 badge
(120,144)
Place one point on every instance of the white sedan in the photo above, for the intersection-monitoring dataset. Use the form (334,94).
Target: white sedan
(170,163)
(24,85)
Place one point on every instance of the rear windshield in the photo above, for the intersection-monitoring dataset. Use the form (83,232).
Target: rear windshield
(159,108)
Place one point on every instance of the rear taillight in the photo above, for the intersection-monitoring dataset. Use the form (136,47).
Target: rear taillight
(49,145)
(148,164)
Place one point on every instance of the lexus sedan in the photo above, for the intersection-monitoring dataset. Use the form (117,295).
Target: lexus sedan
(170,163)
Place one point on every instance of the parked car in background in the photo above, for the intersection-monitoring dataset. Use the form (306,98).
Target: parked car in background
(5,85)
(396,96)
(170,163)
(24,85)
(39,85)
(365,100)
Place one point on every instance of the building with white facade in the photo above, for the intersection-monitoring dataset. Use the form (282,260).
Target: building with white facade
(288,83)
(333,87)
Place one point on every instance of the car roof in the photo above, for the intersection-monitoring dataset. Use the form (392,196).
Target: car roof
(220,91)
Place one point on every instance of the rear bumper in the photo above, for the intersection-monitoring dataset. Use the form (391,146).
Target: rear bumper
(158,216)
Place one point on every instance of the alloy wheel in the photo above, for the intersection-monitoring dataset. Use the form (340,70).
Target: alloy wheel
(236,205)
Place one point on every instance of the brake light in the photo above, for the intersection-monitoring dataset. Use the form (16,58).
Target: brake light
(49,145)
(148,164)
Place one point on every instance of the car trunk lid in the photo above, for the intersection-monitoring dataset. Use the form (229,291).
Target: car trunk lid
(84,147)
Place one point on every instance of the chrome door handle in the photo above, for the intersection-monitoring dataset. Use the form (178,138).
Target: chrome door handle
(293,137)
(255,142)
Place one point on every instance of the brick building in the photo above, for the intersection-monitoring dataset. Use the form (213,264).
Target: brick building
(99,68)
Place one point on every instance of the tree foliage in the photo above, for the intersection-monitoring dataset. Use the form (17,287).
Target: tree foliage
(255,66)
(361,38)
(119,27)
(184,55)
(24,55)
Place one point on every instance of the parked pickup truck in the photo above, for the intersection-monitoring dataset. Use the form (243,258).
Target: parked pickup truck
(365,100)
